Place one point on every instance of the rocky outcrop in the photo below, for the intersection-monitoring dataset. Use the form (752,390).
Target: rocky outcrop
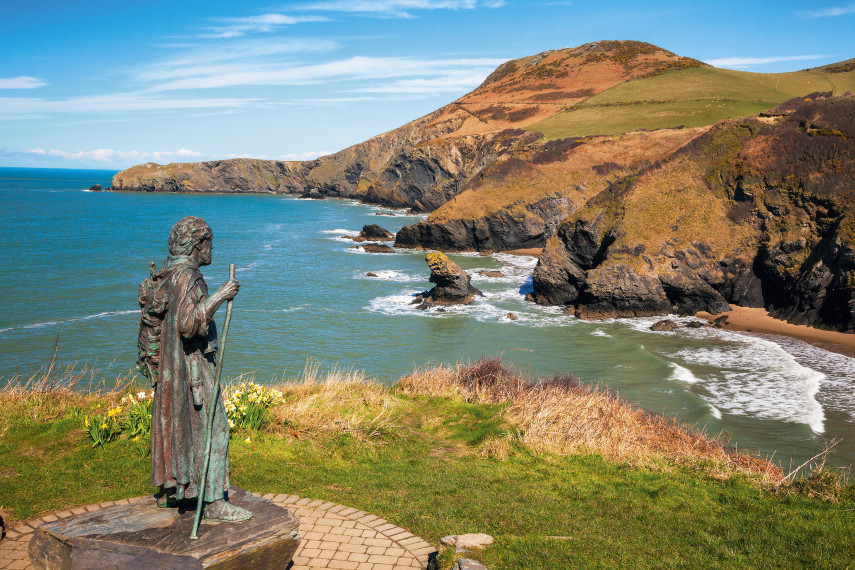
(373,232)
(95,188)
(755,212)
(453,285)
(375,248)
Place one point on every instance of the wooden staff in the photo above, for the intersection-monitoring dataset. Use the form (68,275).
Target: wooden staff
(212,404)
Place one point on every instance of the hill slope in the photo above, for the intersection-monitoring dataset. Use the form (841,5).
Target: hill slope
(757,212)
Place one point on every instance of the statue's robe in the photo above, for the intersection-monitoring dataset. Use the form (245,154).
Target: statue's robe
(178,429)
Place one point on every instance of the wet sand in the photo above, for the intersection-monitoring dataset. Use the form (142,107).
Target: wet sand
(531,252)
(758,321)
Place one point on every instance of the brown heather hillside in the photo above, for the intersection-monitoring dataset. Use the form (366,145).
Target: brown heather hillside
(424,163)
(756,212)
(642,172)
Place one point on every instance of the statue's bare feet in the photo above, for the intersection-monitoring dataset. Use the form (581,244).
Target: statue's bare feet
(221,511)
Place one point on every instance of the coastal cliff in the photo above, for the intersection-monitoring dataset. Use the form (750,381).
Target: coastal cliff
(756,212)
(655,183)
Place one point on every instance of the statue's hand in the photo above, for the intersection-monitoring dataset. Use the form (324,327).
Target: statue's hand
(230,289)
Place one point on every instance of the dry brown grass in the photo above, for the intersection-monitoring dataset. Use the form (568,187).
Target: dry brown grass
(51,394)
(339,401)
(561,415)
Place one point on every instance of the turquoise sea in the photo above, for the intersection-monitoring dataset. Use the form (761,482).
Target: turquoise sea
(72,261)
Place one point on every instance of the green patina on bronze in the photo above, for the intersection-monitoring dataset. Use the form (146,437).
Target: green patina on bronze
(178,345)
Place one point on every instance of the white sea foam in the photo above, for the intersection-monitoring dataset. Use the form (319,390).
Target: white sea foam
(341,231)
(389,275)
(752,376)
(715,411)
(682,374)
(600,332)
(71,320)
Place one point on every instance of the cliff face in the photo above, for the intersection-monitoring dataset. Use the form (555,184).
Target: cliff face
(424,163)
(756,212)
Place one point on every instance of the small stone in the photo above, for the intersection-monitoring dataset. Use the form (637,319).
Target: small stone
(694,325)
(468,564)
(474,541)
(666,325)
(371,274)
(511,317)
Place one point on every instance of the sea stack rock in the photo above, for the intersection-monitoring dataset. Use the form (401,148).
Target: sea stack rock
(373,232)
(453,286)
(95,188)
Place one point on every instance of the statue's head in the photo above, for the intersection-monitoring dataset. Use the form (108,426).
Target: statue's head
(188,234)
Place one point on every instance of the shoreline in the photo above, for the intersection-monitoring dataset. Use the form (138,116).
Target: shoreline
(756,320)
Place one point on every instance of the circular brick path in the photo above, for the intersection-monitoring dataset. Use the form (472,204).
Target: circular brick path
(333,536)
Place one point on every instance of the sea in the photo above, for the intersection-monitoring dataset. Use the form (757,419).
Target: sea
(72,261)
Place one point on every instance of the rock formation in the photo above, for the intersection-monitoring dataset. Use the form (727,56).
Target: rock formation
(373,232)
(755,212)
(453,286)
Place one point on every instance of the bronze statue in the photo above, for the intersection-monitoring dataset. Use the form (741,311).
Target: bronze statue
(178,342)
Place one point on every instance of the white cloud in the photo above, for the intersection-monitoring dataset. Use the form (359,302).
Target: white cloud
(230,57)
(310,155)
(106,155)
(395,8)
(235,27)
(750,61)
(834,12)
(358,68)
(22,82)
(12,107)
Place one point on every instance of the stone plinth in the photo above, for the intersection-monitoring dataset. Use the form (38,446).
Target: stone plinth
(142,535)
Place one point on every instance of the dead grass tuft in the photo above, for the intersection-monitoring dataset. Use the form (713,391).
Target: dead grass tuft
(339,401)
(562,415)
(49,394)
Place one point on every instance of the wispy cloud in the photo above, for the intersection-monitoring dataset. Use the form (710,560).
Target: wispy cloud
(751,61)
(834,12)
(12,107)
(395,8)
(22,82)
(230,57)
(354,68)
(106,155)
(234,27)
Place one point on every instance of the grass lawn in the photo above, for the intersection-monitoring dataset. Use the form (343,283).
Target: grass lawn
(440,465)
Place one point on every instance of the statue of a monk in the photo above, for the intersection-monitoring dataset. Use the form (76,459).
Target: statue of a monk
(184,387)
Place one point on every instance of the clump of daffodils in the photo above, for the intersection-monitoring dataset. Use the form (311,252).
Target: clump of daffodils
(131,419)
(248,402)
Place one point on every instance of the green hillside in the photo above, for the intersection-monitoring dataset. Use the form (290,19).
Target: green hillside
(691,97)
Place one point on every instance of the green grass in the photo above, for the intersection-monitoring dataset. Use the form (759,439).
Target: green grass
(691,97)
(428,474)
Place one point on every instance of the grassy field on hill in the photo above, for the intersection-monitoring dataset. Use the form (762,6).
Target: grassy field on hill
(691,97)
(562,475)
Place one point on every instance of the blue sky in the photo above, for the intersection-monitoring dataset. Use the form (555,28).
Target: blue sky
(109,84)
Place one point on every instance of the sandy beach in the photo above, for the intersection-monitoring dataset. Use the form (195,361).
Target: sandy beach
(758,321)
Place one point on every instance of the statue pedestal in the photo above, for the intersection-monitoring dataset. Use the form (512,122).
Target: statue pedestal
(142,535)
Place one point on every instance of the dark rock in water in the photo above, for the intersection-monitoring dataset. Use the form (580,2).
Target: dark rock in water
(666,325)
(719,322)
(694,325)
(95,188)
(453,285)
(384,214)
(511,317)
(373,232)
(371,274)
(375,248)
(491,273)
(312,194)
(143,535)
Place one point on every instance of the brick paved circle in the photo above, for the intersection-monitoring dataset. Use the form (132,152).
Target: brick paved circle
(333,536)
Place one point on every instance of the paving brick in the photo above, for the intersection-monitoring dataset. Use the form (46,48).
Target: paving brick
(349,511)
(358,557)
(354,548)
(318,563)
(395,551)
(78,511)
(303,501)
(337,508)
(383,567)
(384,542)
(343,565)
(19,565)
(375,551)
(339,555)
(384,527)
